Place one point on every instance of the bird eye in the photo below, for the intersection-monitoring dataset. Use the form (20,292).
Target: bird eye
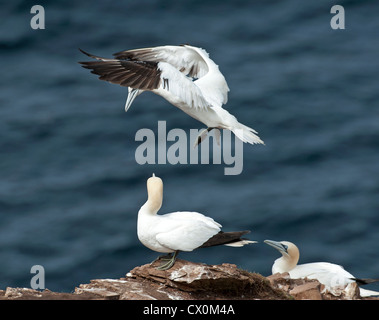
(285,247)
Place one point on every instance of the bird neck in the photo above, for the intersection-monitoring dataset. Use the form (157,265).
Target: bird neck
(284,264)
(153,203)
(152,206)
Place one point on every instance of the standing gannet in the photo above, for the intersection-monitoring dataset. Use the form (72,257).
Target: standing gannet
(179,231)
(184,75)
(329,274)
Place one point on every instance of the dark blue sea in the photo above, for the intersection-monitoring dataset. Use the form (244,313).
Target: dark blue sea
(70,186)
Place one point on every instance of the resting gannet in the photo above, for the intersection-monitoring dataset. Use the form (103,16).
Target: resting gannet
(179,231)
(329,274)
(184,75)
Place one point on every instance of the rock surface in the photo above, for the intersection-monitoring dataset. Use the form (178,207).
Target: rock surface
(189,281)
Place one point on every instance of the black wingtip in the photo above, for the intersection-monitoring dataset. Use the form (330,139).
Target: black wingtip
(223,238)
(91,55)
(364,281)
(86,53)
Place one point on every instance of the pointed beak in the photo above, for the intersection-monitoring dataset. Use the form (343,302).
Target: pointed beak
(133,93)
(277,245)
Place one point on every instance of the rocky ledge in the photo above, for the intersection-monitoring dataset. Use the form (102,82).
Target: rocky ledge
(191,281)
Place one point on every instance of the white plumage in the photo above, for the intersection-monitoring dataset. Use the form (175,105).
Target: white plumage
(179,231)
(184,75)
(330,274)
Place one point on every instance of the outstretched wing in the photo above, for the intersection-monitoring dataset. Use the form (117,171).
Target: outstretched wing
(183,58)
(160,77)
(143,75)
(192,62)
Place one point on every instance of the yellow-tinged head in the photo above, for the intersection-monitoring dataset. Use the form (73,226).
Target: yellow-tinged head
(154,193)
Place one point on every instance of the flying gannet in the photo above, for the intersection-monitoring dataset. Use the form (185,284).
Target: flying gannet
(184,75)
(178,231)
(329,274)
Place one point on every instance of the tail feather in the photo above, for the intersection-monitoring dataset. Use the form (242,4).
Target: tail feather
(246,134)
(239,244)
(365,292)
(368,293)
